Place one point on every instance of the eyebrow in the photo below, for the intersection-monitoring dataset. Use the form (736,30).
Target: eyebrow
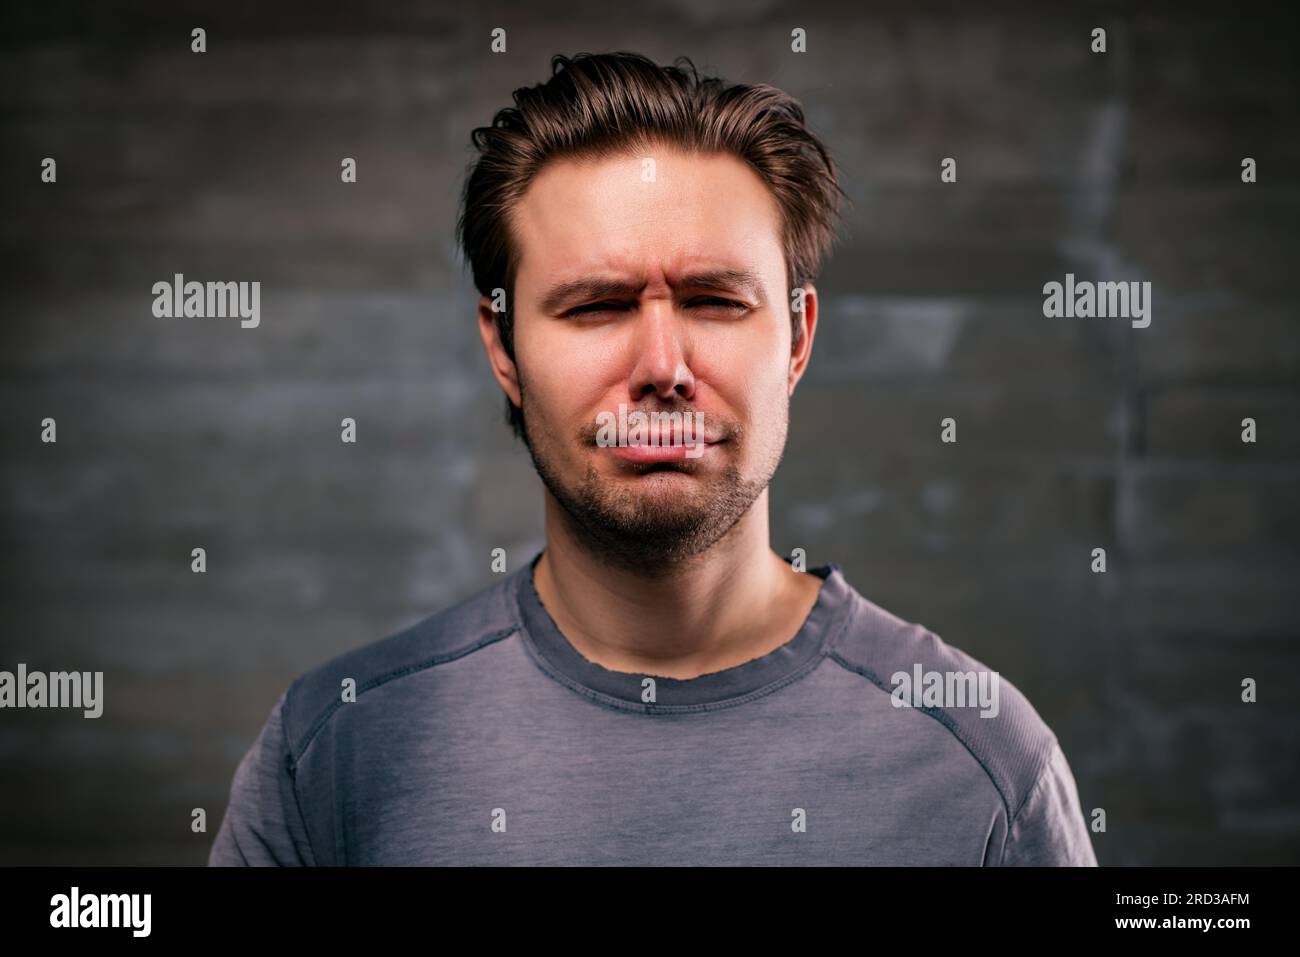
(601,287)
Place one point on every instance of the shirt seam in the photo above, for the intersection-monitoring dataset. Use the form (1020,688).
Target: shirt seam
(1029,793)
(291,769)
(703,707)
(943,718)
(833,634)
(385,678)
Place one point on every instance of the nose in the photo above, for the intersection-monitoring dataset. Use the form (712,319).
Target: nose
(662,345)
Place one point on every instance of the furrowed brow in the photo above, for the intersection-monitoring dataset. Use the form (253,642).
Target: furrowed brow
(589,287)
(596,287)
(737,280)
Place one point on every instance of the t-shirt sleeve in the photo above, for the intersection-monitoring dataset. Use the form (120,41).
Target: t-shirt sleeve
(1049,830)
(263,825)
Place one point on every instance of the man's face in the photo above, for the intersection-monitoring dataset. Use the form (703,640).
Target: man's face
(657,335)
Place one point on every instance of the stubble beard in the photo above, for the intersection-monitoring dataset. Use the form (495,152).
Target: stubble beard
(655,531)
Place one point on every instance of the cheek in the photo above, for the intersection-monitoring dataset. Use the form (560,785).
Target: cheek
(755,381)
(770,408)
(563,377)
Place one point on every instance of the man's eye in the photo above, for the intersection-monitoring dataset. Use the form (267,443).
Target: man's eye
(594,307)
(728,303)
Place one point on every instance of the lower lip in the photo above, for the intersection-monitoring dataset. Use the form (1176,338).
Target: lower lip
(661,453)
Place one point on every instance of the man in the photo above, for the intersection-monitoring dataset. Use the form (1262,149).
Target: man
(657,686)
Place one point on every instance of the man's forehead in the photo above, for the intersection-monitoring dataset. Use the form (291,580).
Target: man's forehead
(572,207)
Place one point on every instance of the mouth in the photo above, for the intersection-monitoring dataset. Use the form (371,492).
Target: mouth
(649,454)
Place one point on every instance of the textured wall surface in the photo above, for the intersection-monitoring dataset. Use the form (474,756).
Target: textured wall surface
(1073,433)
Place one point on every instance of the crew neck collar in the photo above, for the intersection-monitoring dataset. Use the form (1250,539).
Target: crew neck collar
(733,685)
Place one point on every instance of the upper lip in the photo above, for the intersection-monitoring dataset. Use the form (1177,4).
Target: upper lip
(668,437)
(664,433)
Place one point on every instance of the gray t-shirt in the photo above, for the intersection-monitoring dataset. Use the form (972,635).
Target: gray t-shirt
(481,736)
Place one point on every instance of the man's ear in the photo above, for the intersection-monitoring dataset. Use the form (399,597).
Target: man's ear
(503,367)
(803,310)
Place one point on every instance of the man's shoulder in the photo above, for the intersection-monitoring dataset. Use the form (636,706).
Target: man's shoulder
(459,630)
(920,671)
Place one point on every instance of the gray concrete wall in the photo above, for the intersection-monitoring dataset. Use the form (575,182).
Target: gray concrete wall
(1073,433)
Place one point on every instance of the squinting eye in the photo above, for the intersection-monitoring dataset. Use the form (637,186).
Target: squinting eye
(730,304)
(594,307)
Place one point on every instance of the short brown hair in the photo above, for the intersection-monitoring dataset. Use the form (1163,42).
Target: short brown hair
(600,104)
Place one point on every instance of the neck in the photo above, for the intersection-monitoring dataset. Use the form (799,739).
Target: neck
(735,601)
